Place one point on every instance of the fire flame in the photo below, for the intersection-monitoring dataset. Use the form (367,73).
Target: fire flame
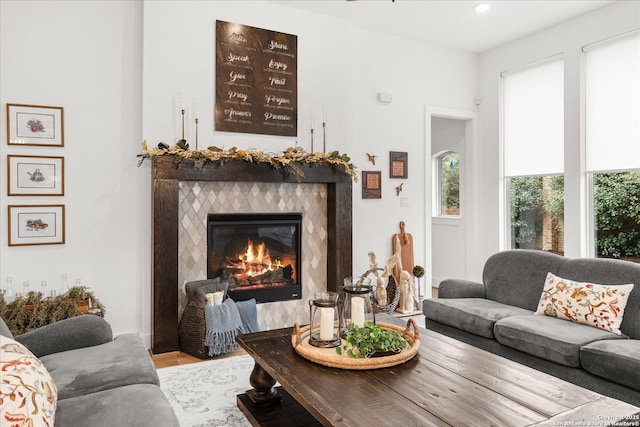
(256,260)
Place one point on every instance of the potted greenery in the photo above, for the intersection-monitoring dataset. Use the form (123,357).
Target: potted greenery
(35,309)
(371,341)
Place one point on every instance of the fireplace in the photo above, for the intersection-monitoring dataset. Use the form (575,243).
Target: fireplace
(185,193)
(257,254)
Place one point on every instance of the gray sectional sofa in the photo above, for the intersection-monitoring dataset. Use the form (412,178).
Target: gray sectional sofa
(101,381)
(497,315)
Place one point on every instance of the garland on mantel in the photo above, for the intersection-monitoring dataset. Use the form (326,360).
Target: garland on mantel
(291,158)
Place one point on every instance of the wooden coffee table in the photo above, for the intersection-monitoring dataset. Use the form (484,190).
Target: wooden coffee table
(448,383)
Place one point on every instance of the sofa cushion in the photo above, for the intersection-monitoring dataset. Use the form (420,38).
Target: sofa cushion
(4,329)
(583,302)
(140,405)
(474,315)
(609,272)
(516,277)
(120,362)
(68,334)
(549,338)
(615,360)
(27,390)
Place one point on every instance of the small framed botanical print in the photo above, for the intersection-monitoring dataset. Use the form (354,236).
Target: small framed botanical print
(36,225)
(35,175)
(35,125)
(398,164)
(371,185)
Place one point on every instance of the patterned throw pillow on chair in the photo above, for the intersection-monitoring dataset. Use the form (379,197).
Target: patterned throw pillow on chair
(595,305)
(28,395)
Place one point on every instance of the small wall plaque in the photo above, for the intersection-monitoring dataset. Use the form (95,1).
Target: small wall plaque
(398,162)
(371,185)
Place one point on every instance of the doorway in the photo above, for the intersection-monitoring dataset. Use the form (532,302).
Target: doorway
(449,230)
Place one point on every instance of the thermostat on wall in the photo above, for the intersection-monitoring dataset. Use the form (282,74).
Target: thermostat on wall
(385,97)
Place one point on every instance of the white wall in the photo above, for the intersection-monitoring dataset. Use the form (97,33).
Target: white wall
(87,58)
(566,39)
(118,69)
(340,70)
(416,75)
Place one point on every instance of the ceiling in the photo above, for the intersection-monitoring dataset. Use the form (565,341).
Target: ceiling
(452,23)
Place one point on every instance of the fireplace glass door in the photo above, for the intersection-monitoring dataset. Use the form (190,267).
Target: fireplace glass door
(257,254)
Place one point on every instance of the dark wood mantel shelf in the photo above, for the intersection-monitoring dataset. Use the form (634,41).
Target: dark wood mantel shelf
(166,176)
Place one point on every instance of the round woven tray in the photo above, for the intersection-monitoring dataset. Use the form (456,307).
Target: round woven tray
(329,357)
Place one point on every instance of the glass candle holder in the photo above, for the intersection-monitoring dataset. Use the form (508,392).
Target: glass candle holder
(357,308)
(325,320)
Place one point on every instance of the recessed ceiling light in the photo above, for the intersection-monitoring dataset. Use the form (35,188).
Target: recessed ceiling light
(482,7)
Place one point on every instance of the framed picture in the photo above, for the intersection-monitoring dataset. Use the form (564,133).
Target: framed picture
(35,125)
(35,175)
(398,164)
(371,185)
(36,225)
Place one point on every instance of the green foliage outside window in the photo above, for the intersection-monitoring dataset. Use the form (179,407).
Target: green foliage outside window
(450,186)
(554,200)
(527,209)
(617,210)
(616,206)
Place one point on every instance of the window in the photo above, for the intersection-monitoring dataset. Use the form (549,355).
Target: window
(448,181)
(533,155)
(537,213)
(617,215)
(612,119)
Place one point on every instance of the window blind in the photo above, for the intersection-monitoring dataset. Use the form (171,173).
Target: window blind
(612,105)
(533,120)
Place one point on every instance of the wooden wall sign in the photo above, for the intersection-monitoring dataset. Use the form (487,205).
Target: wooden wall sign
(256,80)
(371,185)
(398,164)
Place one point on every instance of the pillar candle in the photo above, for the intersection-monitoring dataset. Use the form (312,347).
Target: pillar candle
(357,311)
(326,323)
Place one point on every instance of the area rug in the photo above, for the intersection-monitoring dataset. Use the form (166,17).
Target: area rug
(204,394)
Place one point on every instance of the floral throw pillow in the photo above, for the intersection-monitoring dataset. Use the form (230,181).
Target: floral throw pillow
(28,395)
(589,303)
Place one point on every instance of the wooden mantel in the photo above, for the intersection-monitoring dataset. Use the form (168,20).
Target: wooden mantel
(166,176)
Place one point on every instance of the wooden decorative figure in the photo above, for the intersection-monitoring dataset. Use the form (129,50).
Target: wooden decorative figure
(408,298)
(381,291)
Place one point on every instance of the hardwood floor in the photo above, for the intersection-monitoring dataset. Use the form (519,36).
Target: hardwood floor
(175,358)
(172,358)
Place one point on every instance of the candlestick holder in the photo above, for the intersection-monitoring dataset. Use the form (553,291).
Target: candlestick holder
(357,308)
(196,133)
(325,320)
(182,111)
(311,140)
(324,137)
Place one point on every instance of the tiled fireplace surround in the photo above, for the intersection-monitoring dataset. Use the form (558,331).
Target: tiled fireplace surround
(199,198)
(182,196)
